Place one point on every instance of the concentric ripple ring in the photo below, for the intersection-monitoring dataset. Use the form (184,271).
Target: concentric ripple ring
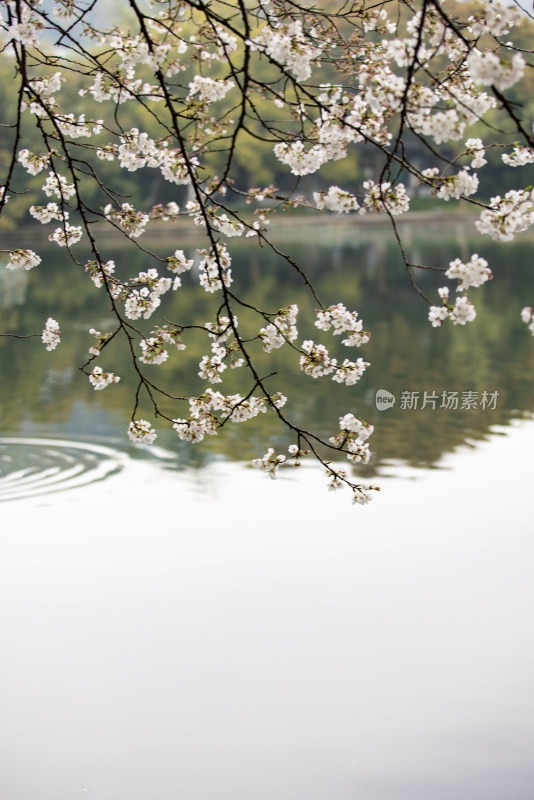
(32,467)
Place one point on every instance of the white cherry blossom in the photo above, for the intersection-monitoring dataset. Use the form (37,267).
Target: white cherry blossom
(100,379)
(51,334)
(23,259)
(140,432)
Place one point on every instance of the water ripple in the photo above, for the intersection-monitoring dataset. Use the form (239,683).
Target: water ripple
(32,467)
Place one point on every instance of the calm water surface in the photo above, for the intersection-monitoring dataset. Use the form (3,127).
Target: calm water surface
(174,625)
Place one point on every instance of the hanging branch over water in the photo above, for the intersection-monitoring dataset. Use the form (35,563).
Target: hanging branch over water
(179,90)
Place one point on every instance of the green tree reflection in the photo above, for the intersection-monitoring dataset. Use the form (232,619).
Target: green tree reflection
(494,353)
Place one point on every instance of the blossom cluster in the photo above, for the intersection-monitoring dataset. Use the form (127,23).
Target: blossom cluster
(271,461)
(143,301)
(137,149)
(352,438)
(51,334)
(281,330)
(474,272)
(153,351)
(23,259)
(519,157)
(301,160)
(385,197)
(32,163)
(507,215)
(99,272)
(141,432)
(66,236)
(288,46)
(49,212)
(100,379)
(492,69)
(460,313)
(214,268)
(203,419)
(208,89)
(496,18)
(336,200)
(316,362)
(343,321)
(129,220)
(58,185)
(463,184)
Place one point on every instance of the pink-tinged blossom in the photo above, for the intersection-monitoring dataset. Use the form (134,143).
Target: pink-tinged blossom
(26,31)
(361,495)
(337,478)
(140,304)
(228,227)
(353,425)
(462,312)
(352,439)
(47,85)
(196,427)
(101,339)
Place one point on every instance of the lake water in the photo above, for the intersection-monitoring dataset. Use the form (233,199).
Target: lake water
(175,625)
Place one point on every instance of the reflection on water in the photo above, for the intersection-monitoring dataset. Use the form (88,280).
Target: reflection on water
(32,467)
(42,394)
